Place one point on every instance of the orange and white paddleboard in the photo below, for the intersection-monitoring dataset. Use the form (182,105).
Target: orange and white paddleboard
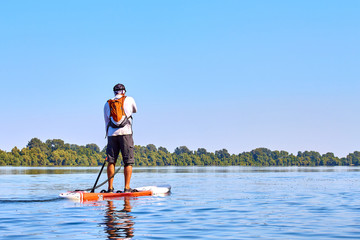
(84,196)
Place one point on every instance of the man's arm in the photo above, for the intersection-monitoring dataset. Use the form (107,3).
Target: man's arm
(130,106)
(106,114)
(134,108)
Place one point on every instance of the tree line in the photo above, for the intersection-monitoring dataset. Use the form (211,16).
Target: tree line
(56,152)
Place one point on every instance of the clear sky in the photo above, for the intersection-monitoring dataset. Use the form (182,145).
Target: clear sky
(284,75)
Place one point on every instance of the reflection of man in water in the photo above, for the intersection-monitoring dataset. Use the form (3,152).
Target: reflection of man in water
(119,224)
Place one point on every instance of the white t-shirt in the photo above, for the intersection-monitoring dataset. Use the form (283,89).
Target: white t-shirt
(129,107)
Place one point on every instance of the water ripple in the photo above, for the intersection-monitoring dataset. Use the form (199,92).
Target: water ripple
(253,203)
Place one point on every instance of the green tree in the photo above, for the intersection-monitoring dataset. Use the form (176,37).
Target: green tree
(3,158)
(201,151)
(56,152)
(151,147)
(37,143)
(353,159)
(55,144)
(93,147)
(181,150)
(162,149)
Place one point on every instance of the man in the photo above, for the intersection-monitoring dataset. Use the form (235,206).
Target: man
(118,121)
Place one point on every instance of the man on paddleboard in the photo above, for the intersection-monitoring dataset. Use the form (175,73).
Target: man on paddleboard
(118,121)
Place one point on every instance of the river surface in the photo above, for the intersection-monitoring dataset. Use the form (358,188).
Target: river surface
(205,203)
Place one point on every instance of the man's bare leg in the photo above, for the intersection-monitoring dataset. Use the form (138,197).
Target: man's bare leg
(127,175)
(110,173)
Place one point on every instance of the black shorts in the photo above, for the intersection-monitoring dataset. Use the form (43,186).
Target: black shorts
(123,144)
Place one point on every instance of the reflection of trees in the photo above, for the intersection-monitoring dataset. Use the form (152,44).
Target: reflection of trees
(119,223)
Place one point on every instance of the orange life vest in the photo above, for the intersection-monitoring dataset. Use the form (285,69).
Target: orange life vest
(117,111)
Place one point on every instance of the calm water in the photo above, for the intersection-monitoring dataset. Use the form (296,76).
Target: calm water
(206,203)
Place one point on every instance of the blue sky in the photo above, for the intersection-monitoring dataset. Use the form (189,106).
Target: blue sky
(215,74)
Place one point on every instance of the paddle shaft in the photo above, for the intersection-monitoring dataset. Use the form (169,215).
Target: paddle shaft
(102,168)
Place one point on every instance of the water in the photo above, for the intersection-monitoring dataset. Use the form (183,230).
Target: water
(206,203)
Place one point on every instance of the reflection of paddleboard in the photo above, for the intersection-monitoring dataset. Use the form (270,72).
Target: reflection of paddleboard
(83,196)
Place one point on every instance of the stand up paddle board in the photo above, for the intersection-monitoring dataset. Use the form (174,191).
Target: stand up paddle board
(84,196)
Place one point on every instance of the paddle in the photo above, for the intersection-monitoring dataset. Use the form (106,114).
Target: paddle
(102,168)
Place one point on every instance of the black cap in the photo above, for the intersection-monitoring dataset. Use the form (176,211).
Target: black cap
(119,87)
